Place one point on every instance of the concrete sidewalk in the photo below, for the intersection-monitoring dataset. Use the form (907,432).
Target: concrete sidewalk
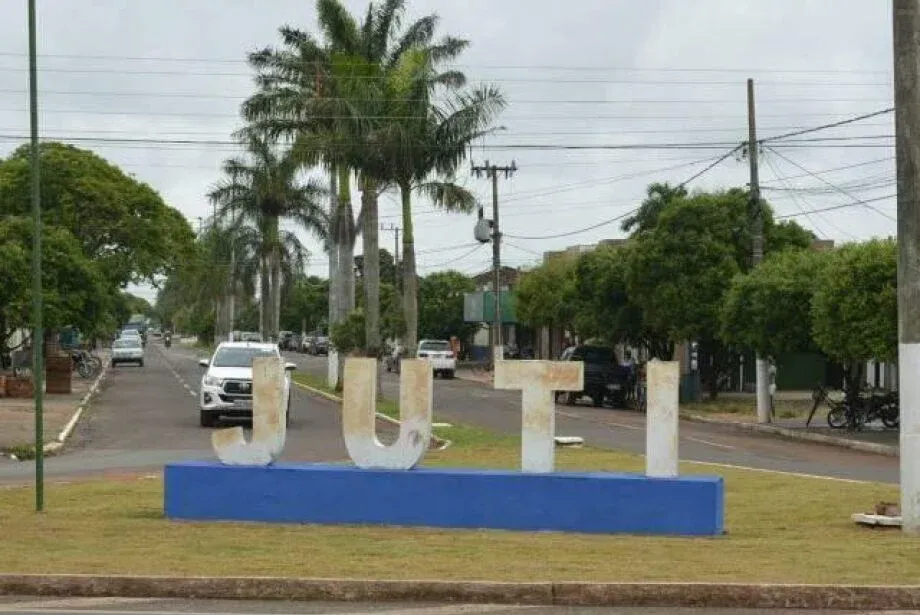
(17,415)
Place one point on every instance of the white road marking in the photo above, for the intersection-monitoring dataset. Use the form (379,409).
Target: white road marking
(709,443)
(64,603)
(784,473)
(454,609)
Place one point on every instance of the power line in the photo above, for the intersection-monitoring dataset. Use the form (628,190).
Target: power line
(832,185)
(577,231)
(687,145)
(836,207)
(851,120)
(572,67)
(549,79)
(708,168)
(517,101)
(843,168)
(518,117)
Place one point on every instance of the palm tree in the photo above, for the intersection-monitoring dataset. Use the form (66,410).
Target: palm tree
(333,99)
(423,144)
(261,190)
(658,197)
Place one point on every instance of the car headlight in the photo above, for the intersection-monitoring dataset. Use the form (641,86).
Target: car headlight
(211,381)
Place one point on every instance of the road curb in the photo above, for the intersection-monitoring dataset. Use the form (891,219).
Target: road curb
(662,595)
(441,442)
(78,413)
(794,434)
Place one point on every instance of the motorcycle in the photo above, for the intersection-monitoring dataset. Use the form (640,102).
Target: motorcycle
(167,341)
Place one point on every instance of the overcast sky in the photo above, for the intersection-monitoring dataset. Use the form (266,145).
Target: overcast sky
(581,73)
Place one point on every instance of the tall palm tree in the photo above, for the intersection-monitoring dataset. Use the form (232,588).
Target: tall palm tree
(332,98)
(423,143)
(262,189)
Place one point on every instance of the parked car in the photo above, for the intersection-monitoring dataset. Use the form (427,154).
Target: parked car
(306,344)
(320,345)
(286,340)
(226,386)
(605,378)
(440,354)
(128,349)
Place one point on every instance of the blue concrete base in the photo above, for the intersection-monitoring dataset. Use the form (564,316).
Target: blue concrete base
(495,499)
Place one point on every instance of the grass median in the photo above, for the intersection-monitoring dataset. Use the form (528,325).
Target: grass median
(781,528)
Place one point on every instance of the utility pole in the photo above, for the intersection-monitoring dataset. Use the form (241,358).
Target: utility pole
(761,368)
(492,171)
(38,333)
(395,230)
(906,18)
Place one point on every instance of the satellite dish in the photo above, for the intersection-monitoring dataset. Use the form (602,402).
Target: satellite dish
(483,230)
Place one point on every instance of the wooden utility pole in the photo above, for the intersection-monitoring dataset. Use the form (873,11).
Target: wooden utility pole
(492,171)
(761,368)
(906,21)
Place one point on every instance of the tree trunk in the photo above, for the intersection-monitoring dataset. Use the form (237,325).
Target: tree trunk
(371,249)
(410,280)
(276,291)
(264,296)
(333,249)
(346,298)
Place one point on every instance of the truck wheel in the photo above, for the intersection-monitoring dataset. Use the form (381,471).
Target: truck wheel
(597,398)
(207,419)
(449,374)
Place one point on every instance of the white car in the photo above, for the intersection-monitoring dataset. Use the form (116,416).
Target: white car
(226,387)
(440,354)
(128,350)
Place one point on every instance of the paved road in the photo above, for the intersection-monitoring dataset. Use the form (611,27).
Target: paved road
(126,606)
(477,404)
(147,416)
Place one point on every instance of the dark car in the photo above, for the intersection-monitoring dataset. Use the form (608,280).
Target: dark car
(320,345)
(605,378)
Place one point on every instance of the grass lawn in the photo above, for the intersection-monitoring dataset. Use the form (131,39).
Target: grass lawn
(781,529)
(746,409)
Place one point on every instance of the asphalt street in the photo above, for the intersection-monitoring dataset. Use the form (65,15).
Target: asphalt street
(477,404)
(133,606)
(147,416)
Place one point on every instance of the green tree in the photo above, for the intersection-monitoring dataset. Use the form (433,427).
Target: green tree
(604,308)
(769,309)
(855,303)
(306,305)
(546,295)
(441,305)
(681,268)
(74,292)
(121,224)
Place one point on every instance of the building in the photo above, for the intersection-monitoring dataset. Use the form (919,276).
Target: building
(479,306)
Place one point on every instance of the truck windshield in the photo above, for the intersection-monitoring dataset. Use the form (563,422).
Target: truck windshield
(594,354)
(239,357)
(434,346)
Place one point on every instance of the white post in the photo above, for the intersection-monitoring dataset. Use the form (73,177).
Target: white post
(661,430)
(539,380)
(332,369)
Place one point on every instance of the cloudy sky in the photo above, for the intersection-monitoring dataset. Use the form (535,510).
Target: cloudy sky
(583,79)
